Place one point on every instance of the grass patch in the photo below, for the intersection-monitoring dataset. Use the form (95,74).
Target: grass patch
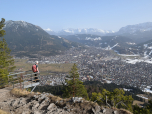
(22,65)
(65,67)
(139,103)
(21,93)
(124,111)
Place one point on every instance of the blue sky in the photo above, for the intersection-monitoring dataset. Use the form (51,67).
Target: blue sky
(62,14)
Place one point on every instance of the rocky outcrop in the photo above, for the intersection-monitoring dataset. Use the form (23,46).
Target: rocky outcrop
(48,104)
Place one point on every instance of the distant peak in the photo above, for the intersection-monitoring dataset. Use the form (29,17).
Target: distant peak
(48,29)
(142,27)
(17,23)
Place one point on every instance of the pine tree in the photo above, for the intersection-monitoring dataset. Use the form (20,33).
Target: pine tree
(115,98)
(6,61)
(74,87)
(2,32)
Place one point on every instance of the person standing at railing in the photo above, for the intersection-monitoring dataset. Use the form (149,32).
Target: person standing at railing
(35,70)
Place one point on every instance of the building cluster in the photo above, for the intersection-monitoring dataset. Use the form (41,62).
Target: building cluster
(101,65)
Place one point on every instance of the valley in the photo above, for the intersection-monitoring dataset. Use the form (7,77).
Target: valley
(99,65)
(76,57)
(108,59)
(114,60)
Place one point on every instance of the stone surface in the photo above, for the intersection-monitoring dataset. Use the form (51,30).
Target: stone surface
(52,105)
(43,104)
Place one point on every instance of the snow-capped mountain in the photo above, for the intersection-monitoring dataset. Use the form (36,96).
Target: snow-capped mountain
(15,26)
(72,31)
(138,33)
(143,27)
(84,31)
(51,32)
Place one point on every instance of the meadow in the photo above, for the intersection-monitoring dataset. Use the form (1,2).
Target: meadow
(22,65)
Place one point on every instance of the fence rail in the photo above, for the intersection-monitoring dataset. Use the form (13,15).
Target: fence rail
(21,79)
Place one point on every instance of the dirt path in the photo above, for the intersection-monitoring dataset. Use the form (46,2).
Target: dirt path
(5,94)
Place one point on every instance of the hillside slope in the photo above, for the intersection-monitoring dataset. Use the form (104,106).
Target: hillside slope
(27,39)
(117,43)
(139,33)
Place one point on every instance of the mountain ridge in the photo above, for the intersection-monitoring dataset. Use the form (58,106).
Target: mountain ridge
(117,43)
(72,31)
(139,33)
(25,39)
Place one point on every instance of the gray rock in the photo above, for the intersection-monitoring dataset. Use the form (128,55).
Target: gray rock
(41,97)
(43,104)
(15,103)
(115,112)
(76,99)
(22,102)
(36,96)
(52,110)
(61,101)
(103,111)
(37,112)
(4,106)
(96,109)
(35,106)
(52,105)
(68,110)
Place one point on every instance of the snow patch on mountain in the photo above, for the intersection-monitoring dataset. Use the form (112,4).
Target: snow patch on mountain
(110,48)
(150,47)
(134,61)
(16,24)
(21,23)
(93,39)
(48,29)
(130,43)
(145,45)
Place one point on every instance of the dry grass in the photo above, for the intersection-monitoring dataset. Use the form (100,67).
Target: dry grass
(21,63)
(137,102)
(55,98)
(3,112)
(21,93)
(124,111)
(65,67)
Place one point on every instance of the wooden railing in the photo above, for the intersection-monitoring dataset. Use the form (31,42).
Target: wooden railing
(20,79)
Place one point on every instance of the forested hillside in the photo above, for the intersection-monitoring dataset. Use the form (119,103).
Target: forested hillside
(92,86)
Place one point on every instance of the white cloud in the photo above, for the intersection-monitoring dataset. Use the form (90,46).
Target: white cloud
(48,29)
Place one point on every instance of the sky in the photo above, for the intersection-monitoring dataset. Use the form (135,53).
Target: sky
(63,14)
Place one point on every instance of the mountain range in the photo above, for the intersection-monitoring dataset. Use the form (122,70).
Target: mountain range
(71,31)
(143,27)
(139,33)
(26,39)
(117,43)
